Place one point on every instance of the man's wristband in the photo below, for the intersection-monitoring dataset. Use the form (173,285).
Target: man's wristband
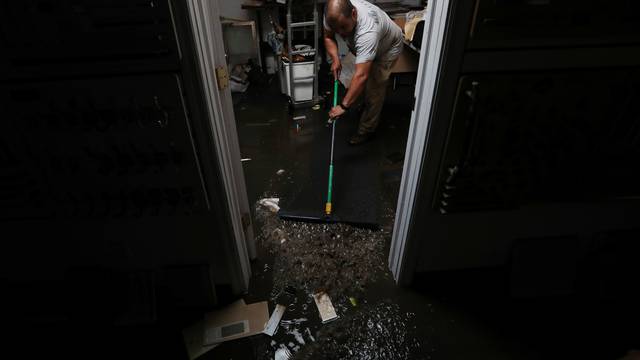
(343,107)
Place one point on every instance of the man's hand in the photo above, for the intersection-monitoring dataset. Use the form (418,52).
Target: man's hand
(336,67)
(336,112)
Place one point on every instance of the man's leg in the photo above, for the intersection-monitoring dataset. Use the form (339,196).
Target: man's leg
(375,91)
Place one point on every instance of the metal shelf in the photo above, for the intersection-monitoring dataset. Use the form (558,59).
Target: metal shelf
(291,26)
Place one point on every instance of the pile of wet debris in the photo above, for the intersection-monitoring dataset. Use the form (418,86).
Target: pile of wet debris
(338,259)
(326,265)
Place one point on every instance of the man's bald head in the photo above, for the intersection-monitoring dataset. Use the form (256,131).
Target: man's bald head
(337,7)
(341,16)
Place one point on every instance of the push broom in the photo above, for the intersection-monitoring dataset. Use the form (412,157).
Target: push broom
(326,216)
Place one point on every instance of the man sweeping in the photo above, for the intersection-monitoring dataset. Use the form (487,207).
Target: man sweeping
(376,42)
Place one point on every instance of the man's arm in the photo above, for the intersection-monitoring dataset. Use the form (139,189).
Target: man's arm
(358,83)
(331,46)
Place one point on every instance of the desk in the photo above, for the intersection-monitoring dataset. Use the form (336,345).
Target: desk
(408,60)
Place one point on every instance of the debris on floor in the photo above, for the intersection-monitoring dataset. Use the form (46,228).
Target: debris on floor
(295,335)
(241,71)
(271,204)
(274,320)
(325,307)
(291,326)
(235,321)
(282,354)
(298,122)
(239,78)
(374,332)
(336,258)
(237,85)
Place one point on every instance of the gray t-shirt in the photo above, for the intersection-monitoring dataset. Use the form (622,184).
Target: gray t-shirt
(376,37)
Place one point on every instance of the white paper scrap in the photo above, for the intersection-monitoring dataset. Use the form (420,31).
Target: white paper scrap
(271,204)
(325,307)
(274,320)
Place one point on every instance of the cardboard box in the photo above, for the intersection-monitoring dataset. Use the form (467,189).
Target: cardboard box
(400,19)
(407,62)
(235,321)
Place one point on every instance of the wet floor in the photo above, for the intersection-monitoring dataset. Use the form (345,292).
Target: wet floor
(458,315)
(298,259)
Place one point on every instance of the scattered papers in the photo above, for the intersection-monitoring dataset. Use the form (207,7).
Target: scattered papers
(274,320)
(325,307)
(282,354)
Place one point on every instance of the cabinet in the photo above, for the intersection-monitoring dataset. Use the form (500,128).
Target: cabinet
(548,23)
(533,131)
(98,147)
(536,137)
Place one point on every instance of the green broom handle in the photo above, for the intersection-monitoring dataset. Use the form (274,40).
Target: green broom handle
(333,133)
(335,93)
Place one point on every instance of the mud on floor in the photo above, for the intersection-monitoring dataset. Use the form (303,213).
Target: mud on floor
(344,261)
(336,258)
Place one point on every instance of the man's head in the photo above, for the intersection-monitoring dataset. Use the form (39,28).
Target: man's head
(341,16)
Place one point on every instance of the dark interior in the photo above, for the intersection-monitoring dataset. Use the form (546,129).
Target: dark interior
(116,233)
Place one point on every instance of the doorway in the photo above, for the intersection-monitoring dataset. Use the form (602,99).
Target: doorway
(280,148)
(275,143)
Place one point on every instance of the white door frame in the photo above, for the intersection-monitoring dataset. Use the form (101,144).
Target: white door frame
(209,45)
(427,79)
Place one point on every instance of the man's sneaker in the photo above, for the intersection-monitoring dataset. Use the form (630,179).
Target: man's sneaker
(359,138)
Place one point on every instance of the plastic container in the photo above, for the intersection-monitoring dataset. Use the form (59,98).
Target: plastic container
(302,80)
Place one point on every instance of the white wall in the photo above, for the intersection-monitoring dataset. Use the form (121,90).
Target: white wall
(232,9)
